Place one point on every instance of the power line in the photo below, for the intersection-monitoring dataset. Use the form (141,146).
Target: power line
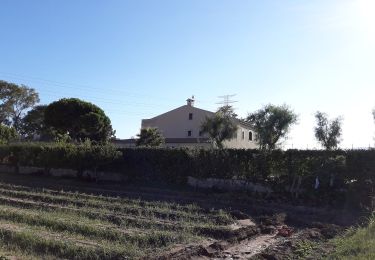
(226,100)
(76,86)
(105,100)
(85,88)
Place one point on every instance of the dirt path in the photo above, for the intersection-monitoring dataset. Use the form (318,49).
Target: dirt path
(247,248)
(269,238)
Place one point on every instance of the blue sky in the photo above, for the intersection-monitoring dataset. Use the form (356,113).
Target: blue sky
(137,59)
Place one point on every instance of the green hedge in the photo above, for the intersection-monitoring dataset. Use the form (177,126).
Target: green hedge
(60,155)
(344,176)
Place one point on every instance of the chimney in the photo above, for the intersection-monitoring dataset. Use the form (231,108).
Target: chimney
(190,101)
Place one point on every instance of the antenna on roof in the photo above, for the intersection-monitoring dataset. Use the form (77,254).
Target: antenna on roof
(226,100)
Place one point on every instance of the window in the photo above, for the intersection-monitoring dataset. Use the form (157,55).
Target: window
(243,135)
(250,136)
(200,133)
(190,116)
(189,133)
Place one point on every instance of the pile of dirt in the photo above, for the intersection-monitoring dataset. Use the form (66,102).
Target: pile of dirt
(212,250)
(308,243)
(271,238)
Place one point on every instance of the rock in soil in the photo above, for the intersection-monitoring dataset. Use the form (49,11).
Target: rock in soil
(285,231)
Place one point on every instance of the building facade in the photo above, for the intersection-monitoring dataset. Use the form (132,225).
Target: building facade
(181,128)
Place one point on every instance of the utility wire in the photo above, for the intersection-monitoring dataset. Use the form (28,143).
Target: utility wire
(85,88)
(79,87)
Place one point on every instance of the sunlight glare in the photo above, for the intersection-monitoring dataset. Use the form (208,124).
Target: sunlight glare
(367,16)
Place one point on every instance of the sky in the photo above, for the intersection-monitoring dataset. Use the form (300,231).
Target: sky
(137,59)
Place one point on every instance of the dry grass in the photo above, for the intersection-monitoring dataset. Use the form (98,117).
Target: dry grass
(52,223)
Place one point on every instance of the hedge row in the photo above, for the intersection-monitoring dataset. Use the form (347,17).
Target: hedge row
(60,155)
(342,175)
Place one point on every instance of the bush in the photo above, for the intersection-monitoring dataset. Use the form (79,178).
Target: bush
(85,156)
(7,134)
(345,177)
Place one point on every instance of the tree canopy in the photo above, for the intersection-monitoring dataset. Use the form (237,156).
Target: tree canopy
(221,126)
(227,111)
(79,119)
(328,132)
(15,100)
(271,124)
(149,137)
(33,125)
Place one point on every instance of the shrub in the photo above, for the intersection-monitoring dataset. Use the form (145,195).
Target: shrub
(80,157)
(7,134)
(344,176)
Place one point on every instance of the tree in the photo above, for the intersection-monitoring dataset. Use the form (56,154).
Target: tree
(221,126)
(149,137)
(271,124)
(33,125)
(79,119)
(328,132)
(15,100)
(227,111)
(7,134)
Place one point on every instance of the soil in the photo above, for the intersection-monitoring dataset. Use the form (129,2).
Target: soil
(264,229)
(253,243)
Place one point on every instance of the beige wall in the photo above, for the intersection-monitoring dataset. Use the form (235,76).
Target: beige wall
(176,124)
(242,143)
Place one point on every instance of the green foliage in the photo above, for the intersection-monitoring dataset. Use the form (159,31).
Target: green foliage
(271,124)
(79,119)
(81,157)
(328,132)
(14,101)
(356,243)
(227,111)
(33,126)
(60,138)
(304,248)
(346,178)
(150,137)
(220,127)
(7,134)
(93,157)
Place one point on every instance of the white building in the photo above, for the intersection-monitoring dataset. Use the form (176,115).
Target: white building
(181,128)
